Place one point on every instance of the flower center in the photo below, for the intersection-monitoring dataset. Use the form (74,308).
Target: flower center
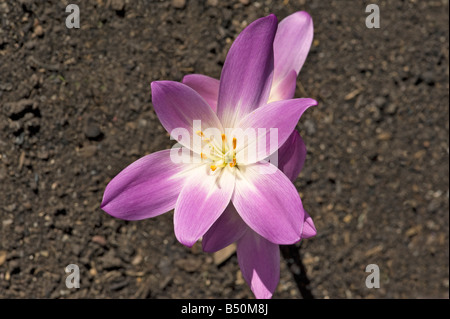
(221,156)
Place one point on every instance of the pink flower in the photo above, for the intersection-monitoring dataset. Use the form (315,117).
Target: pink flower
(259,257)
(211,192)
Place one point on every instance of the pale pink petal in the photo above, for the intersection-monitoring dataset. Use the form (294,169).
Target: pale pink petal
(259,261)
(206,86)
(246,76)
(284,89)
(309,229)
(292,155)
(146,188)
(202,200)
(269,203)
(178,106)
(278,118)
(225,231)
(291,45)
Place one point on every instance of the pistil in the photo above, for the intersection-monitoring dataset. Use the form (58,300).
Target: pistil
(219,158)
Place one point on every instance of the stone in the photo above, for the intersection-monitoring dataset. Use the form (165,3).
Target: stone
(92,131)
(179,4)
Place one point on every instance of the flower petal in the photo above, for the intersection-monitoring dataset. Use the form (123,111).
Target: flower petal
(259,261)
(269,203)
(148,187)
(280,117)
(247,72)
(284,89)
(225,231)
(178,106)
(292,155)
(202,200)
(291,45)
(309,229)
(206,86)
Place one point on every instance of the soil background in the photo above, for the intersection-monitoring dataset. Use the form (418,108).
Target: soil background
(75,109)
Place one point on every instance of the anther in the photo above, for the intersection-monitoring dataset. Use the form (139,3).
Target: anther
(233,164)
(223,143)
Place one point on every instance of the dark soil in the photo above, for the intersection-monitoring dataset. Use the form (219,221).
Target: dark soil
(75,109)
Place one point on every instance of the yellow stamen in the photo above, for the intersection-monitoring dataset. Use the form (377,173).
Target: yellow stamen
(200,133)
(223,143)
(213,167)
(234,143)
(203,156)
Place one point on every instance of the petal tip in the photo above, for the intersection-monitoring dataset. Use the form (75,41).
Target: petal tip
(186,242)
(270,22)
(272,17)
(303,14)
(313,102)
(154,84)
(185,78)
(154,89)
(182,236)
(109,211)
(262,294)
(309,229)
(161,84)
(105,200)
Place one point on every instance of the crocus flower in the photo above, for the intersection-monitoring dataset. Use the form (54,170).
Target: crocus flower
(259,258)
(203,189)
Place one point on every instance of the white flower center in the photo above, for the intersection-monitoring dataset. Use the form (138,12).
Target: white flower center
(219,157)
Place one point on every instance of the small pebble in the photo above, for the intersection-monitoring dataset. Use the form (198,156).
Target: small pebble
(92,131)
(179,4)
(38,31)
